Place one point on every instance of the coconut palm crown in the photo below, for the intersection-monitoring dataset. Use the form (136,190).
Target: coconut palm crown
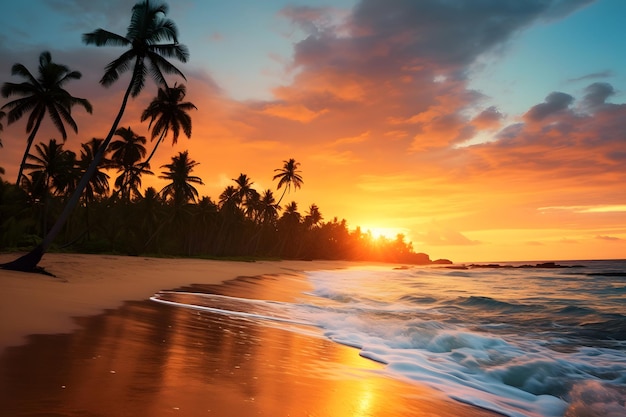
(40,95)
(147,55)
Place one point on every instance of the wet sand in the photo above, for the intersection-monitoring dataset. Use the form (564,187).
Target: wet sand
(141,358)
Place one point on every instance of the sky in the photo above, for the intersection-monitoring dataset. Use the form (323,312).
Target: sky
(486,130)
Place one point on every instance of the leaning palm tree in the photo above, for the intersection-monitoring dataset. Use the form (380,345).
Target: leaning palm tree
(41,95)
(2,116)
(180,189)
(288,175)
(98,185)
(146,55)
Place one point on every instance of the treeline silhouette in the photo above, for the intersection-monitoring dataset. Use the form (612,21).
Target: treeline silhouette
(174,221)
(73,193)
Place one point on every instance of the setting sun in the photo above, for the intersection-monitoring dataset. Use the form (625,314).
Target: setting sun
(390,233)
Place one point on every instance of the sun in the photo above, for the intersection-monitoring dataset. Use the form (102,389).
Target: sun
(385,232)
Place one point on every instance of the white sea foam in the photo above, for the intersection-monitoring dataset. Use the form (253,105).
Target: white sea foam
(522,342)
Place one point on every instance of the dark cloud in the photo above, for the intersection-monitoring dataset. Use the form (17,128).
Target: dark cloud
(555,102)
(450,33)
(596,94)
(488,118)
(584,147)
(406,61)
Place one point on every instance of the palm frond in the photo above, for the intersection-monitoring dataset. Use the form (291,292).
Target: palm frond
(36,116)
(22,71)
(172,50)
(71,75)
(164,65)
(65,115)
(139,78)
(21,89)
(101,37)
(118,66)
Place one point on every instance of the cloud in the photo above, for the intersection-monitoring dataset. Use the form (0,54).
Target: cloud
(616,208)
(554,103)
(297,113)
(593,76)
(596,95)
(488,119)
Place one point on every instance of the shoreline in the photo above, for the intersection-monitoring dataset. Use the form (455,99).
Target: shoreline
(90,340)
(87,285)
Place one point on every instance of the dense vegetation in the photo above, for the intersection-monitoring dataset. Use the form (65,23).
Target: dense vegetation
(175,220)
(73,200)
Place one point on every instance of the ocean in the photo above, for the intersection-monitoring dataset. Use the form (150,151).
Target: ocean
(520,339)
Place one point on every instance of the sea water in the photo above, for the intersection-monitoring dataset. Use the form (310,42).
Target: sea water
(521,341)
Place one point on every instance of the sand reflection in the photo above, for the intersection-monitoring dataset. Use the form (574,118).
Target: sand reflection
(148,359)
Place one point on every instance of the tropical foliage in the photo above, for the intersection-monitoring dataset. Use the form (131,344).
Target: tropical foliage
(116,214)
(175,221)
(40,95)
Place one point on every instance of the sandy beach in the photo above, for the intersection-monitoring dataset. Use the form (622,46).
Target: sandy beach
(89,342)
(89,284)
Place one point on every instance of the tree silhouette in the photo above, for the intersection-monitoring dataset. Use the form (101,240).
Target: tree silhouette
(41,95)
(49,168)
(98,185)
(168,112)
(146,55)
(289,176)
(244,189)
(125,156)
(180,189)
(2,116)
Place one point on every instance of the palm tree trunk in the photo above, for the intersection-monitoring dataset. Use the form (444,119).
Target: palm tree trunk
(29,143)
(281,197)
(28,262)
(156,145)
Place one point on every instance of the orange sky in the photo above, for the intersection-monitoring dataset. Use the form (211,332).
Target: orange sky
(392,136)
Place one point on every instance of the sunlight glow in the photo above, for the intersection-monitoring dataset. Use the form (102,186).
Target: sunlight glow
(387,232)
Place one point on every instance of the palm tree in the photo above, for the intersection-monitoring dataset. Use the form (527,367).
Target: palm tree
(288,225)
(288,175)
(126,155)
(40,95)
(313,217)
(50,166)
(180,189)
(2,116)
(168,112)
(244,188)
(269,208)
(98,185)
(147,29)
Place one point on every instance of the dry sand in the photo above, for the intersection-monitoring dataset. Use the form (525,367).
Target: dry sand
(88,284)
